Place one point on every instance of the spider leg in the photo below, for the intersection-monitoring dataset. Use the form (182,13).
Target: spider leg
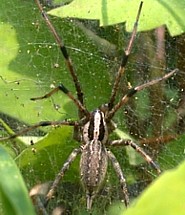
(134,90)
(41,124)
(124,60)
(63,49)
(119,173)
(122,142)
(62,88)
(60,175)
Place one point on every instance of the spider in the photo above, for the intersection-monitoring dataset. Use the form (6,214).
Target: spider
(93,128)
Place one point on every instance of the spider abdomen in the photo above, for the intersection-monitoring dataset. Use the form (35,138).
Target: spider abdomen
(93,167)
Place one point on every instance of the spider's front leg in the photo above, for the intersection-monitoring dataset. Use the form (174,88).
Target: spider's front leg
(60,175)
(123,142)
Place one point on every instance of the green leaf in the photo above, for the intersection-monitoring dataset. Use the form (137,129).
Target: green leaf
(164,197)
(134,157)
(49,153)
(14,198)
(172,154)
(28,56)
(116,11)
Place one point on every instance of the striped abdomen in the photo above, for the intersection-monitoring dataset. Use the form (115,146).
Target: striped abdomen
(93,168)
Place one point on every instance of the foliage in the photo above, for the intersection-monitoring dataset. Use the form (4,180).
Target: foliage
(28,66)
(116,11)
(45,155)
(164,197)
(172,154)
(14,197)
(31,64)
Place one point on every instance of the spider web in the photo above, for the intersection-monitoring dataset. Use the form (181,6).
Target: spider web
(31,65)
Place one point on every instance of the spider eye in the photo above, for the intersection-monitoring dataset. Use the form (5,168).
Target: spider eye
(104,108)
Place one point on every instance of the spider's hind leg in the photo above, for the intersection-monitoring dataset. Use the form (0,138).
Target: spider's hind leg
(60,175)
(123,142)
(120,175)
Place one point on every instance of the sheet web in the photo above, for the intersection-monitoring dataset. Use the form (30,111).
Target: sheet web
(33,65)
